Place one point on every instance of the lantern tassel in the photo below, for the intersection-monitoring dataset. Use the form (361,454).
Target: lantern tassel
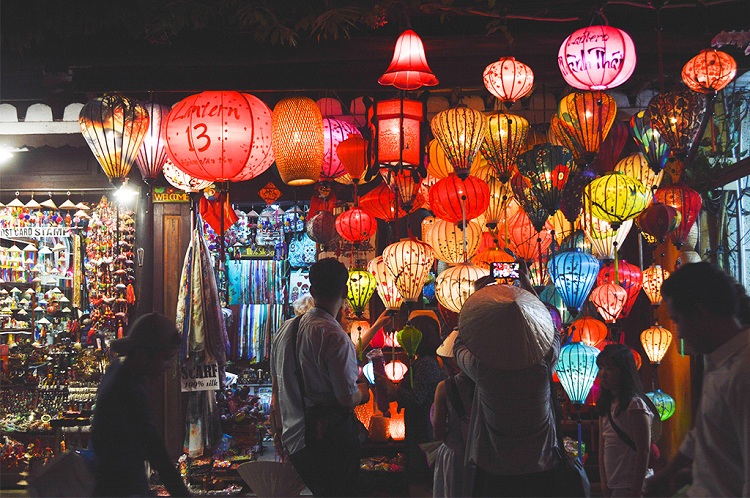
(580,436)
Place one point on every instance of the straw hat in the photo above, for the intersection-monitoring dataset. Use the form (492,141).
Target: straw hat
(446,348)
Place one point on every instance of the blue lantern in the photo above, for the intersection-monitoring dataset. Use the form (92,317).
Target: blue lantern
(577,370)
(551,296)
(574,275)
(664,403)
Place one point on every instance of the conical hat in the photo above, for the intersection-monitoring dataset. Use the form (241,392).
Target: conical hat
(506,327)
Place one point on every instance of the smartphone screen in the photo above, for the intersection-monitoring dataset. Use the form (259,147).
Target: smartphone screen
(505,273)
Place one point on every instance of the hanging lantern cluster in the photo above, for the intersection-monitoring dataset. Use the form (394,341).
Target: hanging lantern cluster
(455,284)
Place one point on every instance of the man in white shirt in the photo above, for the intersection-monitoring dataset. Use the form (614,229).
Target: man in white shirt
(320,435)
(706,305)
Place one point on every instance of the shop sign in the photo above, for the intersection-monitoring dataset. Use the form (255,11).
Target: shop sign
(252,252)
(170,194)
(199,377)
(34,232)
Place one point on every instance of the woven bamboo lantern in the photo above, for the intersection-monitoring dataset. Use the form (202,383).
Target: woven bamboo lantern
(298,140)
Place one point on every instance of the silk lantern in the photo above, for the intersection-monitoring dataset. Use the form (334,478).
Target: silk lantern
(298,140)
(658,220)
(453,199)
(357,329)
(587,117)
(360,287)
(454,285)
(460,132)
(588,330)
(491,255)
(611,147)
(262,157)
(181,180)
(576,240)
(551,296)
(574,275)
(504,141)
(572,199)
(664,403)
(616,198)
(557,134)
(609,300)
(525,240)
(381,203)
(649,141)
(398,131)
(335,131)
(447,240)
(114,127)
(508,80)
(597,58)
(547,167)
(709,71)
(532,206)
(685,200)
(562,226)
(385,284)
(409,261)
(352,152)
(408,69)
(502,205)
(653,277)
(637,166)
(628,276)
(439,166)
(404,181)
(322,228)
(577,370)
(356,225)
(677,114)
(603,238)
(395,370)
(153,151)
(656,341)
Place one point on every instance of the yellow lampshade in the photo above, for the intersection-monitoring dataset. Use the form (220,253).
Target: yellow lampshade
(439,166)
(460,132)
(587,118)
(454,285)
(656,341)
(653,277)
(504,141)
(409,262)
(447,240)
(298,140)
(360,287)
(602,237)
(636,166)
(616,198)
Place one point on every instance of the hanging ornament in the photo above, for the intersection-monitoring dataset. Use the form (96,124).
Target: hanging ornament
(503,142)
(587,117)
(455,284)
(577,370)
(352,152)
(447,240)
(597,58)
(658,220)
(656,341)
(664,403)
(653,278)
(709,71)
(677,114)
(649,141)
(629,277)
(525,240)
(298,140)
(153,151)
(360,287)
(609,300)
(409,261)
(460,132)
(453,199)
(181,180)
(408,69)
(398,131)
(356,225)
(611,148)
(685,200)
(508,79)
(322,228)
(548,168)
(385,284)
(588,330)
(574,275)
(616,198)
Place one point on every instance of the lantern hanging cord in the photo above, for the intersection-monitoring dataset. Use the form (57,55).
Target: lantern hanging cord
(617,274)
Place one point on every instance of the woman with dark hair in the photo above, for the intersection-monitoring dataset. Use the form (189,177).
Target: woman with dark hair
(625,418)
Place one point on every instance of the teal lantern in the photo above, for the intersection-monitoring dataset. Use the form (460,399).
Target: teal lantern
(664,403)
(548,168)
(360,287)
(577,370)
(574,274)
(576,240)
(551,296)
(649,141)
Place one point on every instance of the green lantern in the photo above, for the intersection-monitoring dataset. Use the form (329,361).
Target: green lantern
(360,287)
(409,337)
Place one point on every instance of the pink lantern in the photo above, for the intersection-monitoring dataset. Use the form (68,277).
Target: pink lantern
(153,153)
(508,79)
(609,300)
(408,69)
(335,131)
(597,58)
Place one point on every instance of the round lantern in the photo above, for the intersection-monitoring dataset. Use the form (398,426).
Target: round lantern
(609,300)
(360,287)
(408,69)
(611,149)
(629,277)
(409,261)
(637,166)
(574,275)
(381,203)
(552,297)
(685,200)
(460,132)
(454,285)
(352,152)
(298,140)
(453,198)
(547,167)
(504,141)
(395,370)
(440,167)
(322,228)
(577,370)
(656,341)
(653,277)
(677,114)
(153,151)
(709,71)
(664,403)
(181,180)
(447,240)
(587,117)
(525,240)
(649,141)
(398,131)
(616,198)
(508,79)
(262,156)
(335,131)
(357,329)
(588,330)
(602,237)
(659,220)
(114,127)
(385,284)
(356,225)
(597,58)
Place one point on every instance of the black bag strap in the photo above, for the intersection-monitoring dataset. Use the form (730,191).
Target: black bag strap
(625,438)
(454,397)
(297,366)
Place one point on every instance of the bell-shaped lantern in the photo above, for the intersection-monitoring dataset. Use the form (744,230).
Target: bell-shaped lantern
(677,114)
(153,151)
(508,80)
(447,240)
(454,285)
(609,300)
(440,167)
(398,132)
(298,140)
(525,240)
(453,199)
(709,71)
(532,206)
(460,132)
(181,180)
(653,277)
(577,370)
(557,134)
(408,69)
(356,225)
(409,261)
(611,149)
(385,284)
(637,166)
(352,152)
(360,287)
(574,275)
(335,131)
(588,330)
(629,276)
(548,168)
(114,127)
(664,403)
(616,198)
(649,141)
(504,141)
(658,220)
(587,117)
(597,58)
(656,341)
(685,200)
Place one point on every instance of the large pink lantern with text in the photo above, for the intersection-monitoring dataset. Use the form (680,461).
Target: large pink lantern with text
(597,58)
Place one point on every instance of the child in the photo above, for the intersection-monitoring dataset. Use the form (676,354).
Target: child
(625,417)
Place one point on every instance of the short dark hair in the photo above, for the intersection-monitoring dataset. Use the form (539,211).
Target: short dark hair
(430,329)
(328,278)
(705,284)
(152,332)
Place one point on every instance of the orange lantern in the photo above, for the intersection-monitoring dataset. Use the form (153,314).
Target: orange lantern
(709,71)
(408,69)
(298,140)
(447,240)
(588,330)
(356,225)
(685,200)
(609,300)
(460,131)
(502,203)
(352,153)
(525,241)
(439,166)
(504,141)
(677,115)
(453,198)
(508,79)
(587,117)
(557,134)
(653,277)
(597,58)
(398,131)
(491,255)
(381,202)
(404,182)
(335,131)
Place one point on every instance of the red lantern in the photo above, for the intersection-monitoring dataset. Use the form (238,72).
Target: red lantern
(611,148)
(659,220)
(216,135)
(597,58)
(381,202)
(685,200)
(525,241)
(408,69)
(356,225)
(588,330)
(629,277)
(709,71)
(508,79)
(398,131)
(352,153)
(335,131)
(448,195)
(322,228)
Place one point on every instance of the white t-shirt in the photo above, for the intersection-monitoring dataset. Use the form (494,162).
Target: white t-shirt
(618,456)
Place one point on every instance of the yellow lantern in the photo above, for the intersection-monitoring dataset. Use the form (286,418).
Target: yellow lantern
(505,139)
(297,140)
(587,117)
(562,226)
(360,287)
(460,132)
(603,238)
(454,285)
(656,341)
(439,166)
(636,166)
(447,240)
(609,300)
(409,262)
(653,277)
(385,284)
(616,198)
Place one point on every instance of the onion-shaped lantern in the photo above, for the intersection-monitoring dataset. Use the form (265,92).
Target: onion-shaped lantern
(360,287)
(408,69)
(356,225)
(616,198)
(557,134)
(385,284)
(587,117)
(649,141)
(395,370)
(460,132)
(181,180)
(447,240)
(454,285)
(114,127)
(502,205)
(656,341)
(664,403)
(453,198)
(548,168)
(677,114)
(597,58)
(352,152)
(404,181)
(574,275)
(636,166)
(508,80)
(153,151)
(552,297)
(603,238)
(440,167)
(659,220)
(409,261)
(629,276)
(504,141)
(609,300)
(322,228)
(335,131)
(298,140)
(577,370)
(653,277)
(525,240)
(398,132)
(358,329)
(709,71)
(588,330)
(611,149)
(685,200)
(524,193)
(381,202)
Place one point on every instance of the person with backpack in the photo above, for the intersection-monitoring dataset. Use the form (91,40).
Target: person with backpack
(625,418)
